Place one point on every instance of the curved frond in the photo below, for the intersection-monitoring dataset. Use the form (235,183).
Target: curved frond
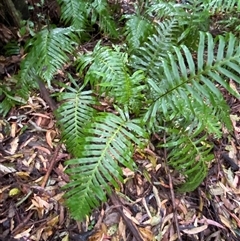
(217,6)
(48,53)
(185,83)
(10,98)
(108,142)
(108,71)
(104,65)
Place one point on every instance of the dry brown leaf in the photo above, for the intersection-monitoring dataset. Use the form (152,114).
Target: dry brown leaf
(25,233)
(41,115)
(128,214)
(13,129)
(44,149)
(146,234)
(100,234)
(226,222)
(23,175)
(173,237)
(6,169)
(50,135)
(14,146)
(196,230)
(53,222)
(211,222)
(122,229)
(40,205)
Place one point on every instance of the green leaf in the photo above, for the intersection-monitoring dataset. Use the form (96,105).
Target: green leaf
(107,142)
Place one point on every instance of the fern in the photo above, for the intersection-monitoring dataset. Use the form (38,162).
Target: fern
(74,12)
(74,114)
(217,6)
(101,12)
(47,54)
(165,79)
(107,142)
(9,97)
(137,30)
(189,153)
(107,69)
(147,57)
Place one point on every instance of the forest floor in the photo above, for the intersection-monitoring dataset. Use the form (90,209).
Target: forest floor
(32,174)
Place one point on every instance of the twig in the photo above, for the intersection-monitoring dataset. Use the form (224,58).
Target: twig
(23,223)
(118,205)
(45,94)
(52,163)
(172,194)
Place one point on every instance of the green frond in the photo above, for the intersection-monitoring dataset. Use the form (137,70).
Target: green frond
(185,83)
(190,91)
(73,116)
(189,153)
(217,6)
(165,10)
(137,30)
(148,58)
(101,13)
(130,91)
(108,71)
(74,12)
(105,65)
(48,53)
(6,104)
(107,142)
(10,98)
(11,48)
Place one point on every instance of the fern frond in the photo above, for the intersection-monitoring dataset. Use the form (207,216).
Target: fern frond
(101,12)
(216,6)
(48,53)
(186,82)
(11,48)
(137,29)
(74,12)
(130,91)
(108,142)
(164,10)
(10,98)
(189,153)
(148,58)
(191,93)
(108,71)
(74,114)
(106,64)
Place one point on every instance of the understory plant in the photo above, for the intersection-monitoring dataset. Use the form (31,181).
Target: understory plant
(164,75)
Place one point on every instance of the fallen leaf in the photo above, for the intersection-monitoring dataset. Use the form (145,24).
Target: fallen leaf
(6,170)
(50,134)
(196,230)
(25,233)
